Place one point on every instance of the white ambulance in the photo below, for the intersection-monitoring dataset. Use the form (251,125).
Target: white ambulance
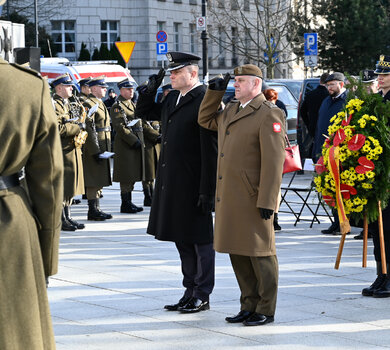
(77,70)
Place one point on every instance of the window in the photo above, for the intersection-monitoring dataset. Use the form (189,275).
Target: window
(193,37)
(109,32)
(246,5)
(234,47)
(210,48)
(193,2)
(177,1)
(177,36)
(221,4)
(221,45)
(160,26)
(63,34)
(234,4)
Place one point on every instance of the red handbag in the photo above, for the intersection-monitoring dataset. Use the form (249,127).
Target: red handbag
(293,158)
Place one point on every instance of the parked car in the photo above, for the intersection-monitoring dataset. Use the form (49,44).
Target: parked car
(303,138)
(294,85)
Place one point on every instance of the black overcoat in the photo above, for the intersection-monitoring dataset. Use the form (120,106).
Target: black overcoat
(186,168)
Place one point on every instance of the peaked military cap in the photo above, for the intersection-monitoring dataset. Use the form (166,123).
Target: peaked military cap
(179,60)
(84,81)
(99,81)
(368,76)
(383,65)
(248,69)
(63,79)
(335,76)
(126,83)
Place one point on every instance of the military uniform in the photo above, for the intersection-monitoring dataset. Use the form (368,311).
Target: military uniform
(30,219)
(73,164)
(96,170)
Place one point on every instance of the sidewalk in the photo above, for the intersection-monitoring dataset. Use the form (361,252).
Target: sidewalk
(114,280)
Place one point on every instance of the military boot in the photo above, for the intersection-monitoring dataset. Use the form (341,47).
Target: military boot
(69,218)
(133,205)
(93,213)
(66,225)
(384,290)
(147,196)
(276,223)
(107,216)
(126,206)
(368,292)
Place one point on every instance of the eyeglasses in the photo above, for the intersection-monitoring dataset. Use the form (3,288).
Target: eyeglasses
(331,85)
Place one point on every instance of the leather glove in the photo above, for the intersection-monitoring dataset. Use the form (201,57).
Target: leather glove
(205,203)
(219,84)
(96,157)
(137,145)
(82,126)
(155,81)
(266,213)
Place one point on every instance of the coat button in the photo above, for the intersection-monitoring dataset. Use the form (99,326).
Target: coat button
(222,154)
(165,142)
(227,132)
(170,121)
(218,199)
(162,187)
(163,165)
(220,177)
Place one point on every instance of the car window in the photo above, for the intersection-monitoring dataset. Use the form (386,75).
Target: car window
(311,85)
(284,94)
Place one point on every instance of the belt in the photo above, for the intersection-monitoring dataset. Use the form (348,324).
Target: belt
(9,181)
(107,128)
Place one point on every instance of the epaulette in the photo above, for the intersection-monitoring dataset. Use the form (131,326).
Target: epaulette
(26,69)
(270,104)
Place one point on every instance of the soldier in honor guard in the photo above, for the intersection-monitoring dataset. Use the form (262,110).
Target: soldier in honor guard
(30,215)
(129,162)
(97,168)
(85,90)
(185,184)
(70,127)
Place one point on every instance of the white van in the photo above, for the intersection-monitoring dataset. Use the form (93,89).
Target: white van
(77,70)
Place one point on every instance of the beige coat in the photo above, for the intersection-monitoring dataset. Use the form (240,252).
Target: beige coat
(250,164)
(73,163)
(29,223)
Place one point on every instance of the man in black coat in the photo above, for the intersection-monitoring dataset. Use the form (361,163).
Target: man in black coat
(381,286)
(186,174)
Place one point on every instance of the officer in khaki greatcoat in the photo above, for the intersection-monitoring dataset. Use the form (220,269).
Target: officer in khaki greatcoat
(97,169)
(30,218)
(251,136)
(69,128)
(85,90)
(129,162)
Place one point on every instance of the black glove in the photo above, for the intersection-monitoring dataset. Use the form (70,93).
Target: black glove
(205,203)
(137,145)
(82,126)
(158,140)
(219,84)
(97,158)
(266,213)
(155,81)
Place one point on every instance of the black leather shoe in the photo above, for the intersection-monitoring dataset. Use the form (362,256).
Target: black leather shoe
(240,317)
(384,290)
(194,305)
(182,302)
(360,235)
(331,229)
(258,320)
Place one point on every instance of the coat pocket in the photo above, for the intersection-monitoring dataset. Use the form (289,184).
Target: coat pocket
(252,191)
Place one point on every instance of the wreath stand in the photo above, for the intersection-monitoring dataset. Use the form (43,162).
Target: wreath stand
(365,237)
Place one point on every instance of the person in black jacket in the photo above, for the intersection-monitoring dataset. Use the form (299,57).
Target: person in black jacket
(381,286)
(311,105)
(185,183)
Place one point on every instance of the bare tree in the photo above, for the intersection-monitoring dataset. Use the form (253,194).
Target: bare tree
(256,30)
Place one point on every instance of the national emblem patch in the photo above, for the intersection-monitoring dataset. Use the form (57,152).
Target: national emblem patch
(277,127)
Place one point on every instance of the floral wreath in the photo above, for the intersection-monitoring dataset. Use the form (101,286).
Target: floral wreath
(353,173)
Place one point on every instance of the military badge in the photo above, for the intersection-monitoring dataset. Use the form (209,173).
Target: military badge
(169,56)
(277,127)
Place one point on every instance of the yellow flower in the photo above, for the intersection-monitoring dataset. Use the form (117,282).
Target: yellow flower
(370,174)
(367,186)
(360,177)
(373,118)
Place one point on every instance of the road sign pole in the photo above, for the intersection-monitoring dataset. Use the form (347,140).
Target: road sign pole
(204,38)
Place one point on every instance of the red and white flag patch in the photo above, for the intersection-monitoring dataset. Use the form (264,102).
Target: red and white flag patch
(277,127)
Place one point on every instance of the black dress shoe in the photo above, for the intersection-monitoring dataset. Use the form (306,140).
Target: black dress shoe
(194,305)
(360,235)
(240,317)
(258,320)
(182,302)
(331,229)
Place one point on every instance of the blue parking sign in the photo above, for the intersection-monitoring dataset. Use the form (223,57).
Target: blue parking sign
(311,44)
(161,48)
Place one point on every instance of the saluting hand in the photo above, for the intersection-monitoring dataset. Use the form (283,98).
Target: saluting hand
(155,81)
(219,84)
(266,213)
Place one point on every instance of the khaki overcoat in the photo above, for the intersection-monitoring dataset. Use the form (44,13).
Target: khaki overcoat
(97,171)
(73,162)
(152,149)
(29,223)
(249,172)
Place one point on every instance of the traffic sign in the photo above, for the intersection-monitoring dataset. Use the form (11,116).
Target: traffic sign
(311,44)
(200,23)
(311,61)
(125,48)
(161,36)
(161,48)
